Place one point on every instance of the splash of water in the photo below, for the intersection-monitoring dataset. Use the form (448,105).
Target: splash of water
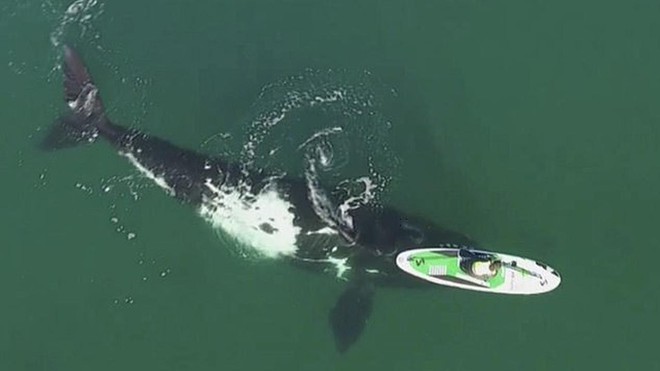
(80,14)
(332,117)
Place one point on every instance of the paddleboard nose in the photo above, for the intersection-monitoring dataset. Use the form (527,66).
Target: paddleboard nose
(552,280)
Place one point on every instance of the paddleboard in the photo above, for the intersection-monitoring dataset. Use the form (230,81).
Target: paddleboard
(453,265)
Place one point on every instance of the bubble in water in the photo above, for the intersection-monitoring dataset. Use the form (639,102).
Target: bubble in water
(330,129)
(335,118)
(80,14)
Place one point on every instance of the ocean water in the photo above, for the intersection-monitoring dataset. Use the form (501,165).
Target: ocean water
(531,126)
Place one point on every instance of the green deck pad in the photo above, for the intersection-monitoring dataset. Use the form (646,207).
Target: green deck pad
(498,280)
(426,262)
(430,263)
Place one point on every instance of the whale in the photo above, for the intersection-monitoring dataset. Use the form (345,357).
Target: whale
(293,218)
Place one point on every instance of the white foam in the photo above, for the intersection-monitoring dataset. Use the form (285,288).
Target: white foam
(255,139)
(324,132)
(80,12)
(321,203)
(366,196)
(262,221)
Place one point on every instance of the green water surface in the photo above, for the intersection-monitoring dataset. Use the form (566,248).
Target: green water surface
(532,126)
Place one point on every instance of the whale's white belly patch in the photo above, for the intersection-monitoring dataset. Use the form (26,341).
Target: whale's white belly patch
(262,221)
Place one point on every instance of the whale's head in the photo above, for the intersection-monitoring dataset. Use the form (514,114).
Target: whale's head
(387,231)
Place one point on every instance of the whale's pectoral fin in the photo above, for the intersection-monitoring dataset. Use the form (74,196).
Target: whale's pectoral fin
(350,314)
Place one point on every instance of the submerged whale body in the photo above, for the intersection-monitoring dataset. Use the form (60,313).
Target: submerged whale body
(279,215)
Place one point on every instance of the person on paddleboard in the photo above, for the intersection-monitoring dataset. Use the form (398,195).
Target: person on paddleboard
(479,265)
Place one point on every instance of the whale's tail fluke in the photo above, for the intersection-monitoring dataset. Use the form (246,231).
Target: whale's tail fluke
(86,116)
